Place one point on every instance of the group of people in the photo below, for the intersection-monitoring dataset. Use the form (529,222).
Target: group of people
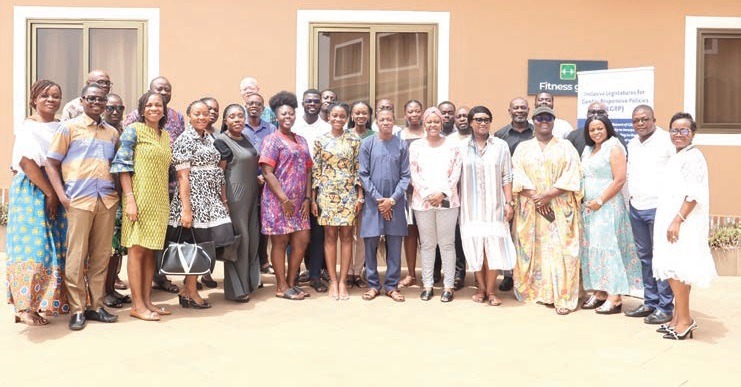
(544,204)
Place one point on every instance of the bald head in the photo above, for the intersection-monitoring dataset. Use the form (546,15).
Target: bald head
(101,78)
(597,108)
(249,85)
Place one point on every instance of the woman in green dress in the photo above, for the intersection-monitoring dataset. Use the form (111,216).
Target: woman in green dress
(142,163)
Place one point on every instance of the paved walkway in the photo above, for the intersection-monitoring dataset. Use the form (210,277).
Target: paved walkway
(321,342)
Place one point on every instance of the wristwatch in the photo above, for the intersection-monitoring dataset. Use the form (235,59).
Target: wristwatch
(599,201)
(361,200)
(393,202)
(511,203)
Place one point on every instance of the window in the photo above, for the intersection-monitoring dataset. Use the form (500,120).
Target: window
(372,61)
(719,80)
(66,50)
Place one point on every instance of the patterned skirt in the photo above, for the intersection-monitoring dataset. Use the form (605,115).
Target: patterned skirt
(36,251)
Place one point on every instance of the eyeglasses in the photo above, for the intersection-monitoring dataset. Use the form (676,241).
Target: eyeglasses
(315,100)
(103,82)
(95,98)
(461,116)
(111,108)
(543,118)
(594,112)
(641,121)
(482,120)
(683,132)
(254,103)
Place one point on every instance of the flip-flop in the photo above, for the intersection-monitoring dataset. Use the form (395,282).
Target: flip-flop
(290,294)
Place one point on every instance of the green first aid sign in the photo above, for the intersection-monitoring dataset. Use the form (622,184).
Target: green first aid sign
(567,72)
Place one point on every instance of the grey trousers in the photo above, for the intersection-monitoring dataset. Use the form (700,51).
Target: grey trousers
(437,228)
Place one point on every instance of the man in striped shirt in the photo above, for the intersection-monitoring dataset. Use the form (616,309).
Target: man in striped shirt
(79,169)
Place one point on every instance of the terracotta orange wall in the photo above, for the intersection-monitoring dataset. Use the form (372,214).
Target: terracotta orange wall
(208,46)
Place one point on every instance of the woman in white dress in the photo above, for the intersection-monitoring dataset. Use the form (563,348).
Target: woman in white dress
(486,205)
(681,251)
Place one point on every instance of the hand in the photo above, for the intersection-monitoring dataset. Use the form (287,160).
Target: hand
(541,199)
(260,180)
(384,205)
(546,211)
(65,201)
(304,211)
(52,206)
(315,209)
(358,207)
(672,234)
(132,211)
(226,206)
(388,215)
(593,205)
(186,218)
(435,199)
(509,212)
(288,208)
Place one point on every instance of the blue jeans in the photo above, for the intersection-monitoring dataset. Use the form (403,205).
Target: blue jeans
(393,262)
(656,294)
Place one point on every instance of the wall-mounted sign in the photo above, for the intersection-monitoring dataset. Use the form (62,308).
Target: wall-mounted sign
(558,77)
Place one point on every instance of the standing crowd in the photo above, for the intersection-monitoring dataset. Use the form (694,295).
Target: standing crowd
(545,204)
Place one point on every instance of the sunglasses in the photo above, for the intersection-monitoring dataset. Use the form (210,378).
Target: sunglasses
(312,100)
(111,109)
(594,112)
(254,103)
(482,120)
(683,132)
(543,118)
(94,99)
(641,121)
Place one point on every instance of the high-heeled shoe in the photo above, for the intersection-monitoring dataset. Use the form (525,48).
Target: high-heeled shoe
(187,302)
(674,335)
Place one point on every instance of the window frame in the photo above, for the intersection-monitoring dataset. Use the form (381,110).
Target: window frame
(693,24)
(441,20)
(374,30)
(702,34)
(21,34)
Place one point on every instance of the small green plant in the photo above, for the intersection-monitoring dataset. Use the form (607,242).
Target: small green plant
(726,237)
(3,214)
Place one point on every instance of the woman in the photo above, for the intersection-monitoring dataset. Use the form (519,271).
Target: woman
(337,196)
(213,116)
(286,167)
(412,132)
(681,252)
(384,172)
(486,205)
(546,179)
(36,244)
(435,166)
(239,162)
(200,201)
(361,120)
(142,163)
(609,264)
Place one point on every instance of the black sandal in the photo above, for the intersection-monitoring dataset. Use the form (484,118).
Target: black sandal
(318,285)
(166,285)
(112,301)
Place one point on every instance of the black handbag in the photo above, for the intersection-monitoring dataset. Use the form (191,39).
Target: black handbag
(230,252)
(183,258)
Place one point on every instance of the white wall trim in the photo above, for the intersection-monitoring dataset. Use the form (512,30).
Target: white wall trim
(692,25)
(305,17)
(22,13)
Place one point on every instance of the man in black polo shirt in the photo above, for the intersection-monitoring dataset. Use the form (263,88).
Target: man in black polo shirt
(518,130)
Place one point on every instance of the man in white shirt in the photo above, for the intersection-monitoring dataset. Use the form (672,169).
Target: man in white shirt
(73,108)
(310,127)
(560,127)
(648,153)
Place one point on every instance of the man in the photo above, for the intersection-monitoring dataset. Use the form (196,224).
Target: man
(113,116)
(174,126)
(310,127)
(560,127)
(576,137)
(248,86)
(461,121)
(256,129)
(328,96)
(385,104)
(448,110)
(518,130)
(648,153)
(73,108)
(79,161)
